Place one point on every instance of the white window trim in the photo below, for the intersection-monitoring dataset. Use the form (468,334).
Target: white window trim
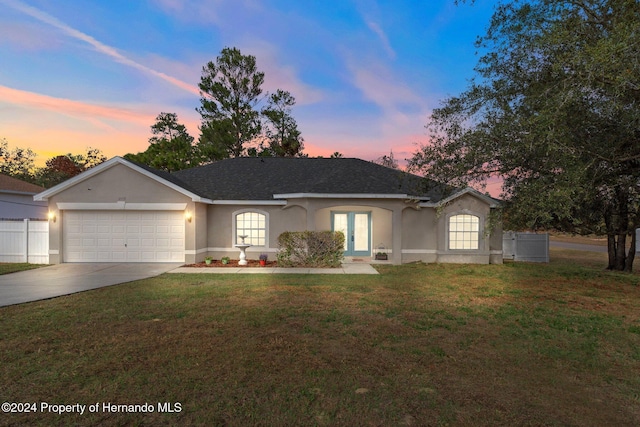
(480,231)
(266,226)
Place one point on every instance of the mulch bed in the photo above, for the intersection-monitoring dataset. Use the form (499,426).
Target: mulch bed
(232,263)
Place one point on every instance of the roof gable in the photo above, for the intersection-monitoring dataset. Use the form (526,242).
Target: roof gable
(493,203)
(159,176)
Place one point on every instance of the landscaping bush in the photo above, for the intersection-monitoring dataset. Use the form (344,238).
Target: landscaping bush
(310,249)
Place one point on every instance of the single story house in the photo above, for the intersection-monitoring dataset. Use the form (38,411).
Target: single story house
(120,211)
(16,199)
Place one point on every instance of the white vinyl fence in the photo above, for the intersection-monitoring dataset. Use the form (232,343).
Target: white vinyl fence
(24,241)
(530,247)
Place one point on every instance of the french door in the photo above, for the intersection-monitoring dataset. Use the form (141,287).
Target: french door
(356,227)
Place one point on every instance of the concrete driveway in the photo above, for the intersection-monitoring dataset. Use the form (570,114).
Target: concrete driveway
(65,279)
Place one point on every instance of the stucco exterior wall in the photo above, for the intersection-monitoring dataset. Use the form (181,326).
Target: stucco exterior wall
(422,233)
(118,183)
(220,228)
(381,235)
(419,235)
(406,231)
(488,241)
(196,233)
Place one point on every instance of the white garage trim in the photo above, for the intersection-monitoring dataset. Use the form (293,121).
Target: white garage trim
(115,206)
(123,236)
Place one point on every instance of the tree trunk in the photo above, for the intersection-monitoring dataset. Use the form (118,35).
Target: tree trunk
(621,252)
(618,227)
(632,253)
(611,249)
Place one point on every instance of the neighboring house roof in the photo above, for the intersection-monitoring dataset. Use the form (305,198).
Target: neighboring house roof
(9,184)
(258,178)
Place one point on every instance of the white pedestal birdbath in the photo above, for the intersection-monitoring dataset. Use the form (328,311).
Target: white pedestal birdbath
(242,246)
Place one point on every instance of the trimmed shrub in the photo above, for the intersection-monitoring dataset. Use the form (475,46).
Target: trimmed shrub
(311,249)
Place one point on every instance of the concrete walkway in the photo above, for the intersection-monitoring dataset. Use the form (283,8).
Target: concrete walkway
(346,268)
(65,279)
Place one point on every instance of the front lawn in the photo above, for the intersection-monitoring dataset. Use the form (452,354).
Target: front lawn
(517,344)
(13,267)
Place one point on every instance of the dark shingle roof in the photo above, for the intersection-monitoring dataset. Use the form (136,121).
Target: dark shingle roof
(10,184)
(256,178)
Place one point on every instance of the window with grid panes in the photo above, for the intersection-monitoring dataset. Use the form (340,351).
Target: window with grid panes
(254,226)
(464,232)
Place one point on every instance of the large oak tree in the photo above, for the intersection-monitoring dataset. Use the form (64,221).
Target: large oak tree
(555,111)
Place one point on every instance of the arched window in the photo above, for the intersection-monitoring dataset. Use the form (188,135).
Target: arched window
(464,231)
(254,226)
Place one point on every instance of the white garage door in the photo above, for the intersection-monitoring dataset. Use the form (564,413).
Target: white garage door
(123,236)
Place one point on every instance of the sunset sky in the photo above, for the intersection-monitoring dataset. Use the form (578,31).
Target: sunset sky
(365,73)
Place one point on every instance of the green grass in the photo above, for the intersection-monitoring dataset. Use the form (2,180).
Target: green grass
(517,344)
(6,268)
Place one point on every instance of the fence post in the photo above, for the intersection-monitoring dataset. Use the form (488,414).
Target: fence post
(25,230)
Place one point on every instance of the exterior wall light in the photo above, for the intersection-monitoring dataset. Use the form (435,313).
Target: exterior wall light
(188,216)
(52,216)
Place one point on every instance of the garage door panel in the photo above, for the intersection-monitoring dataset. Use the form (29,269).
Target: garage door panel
(74,242)
(164,229)
(89,228)
(146,242)
(147,229)
(163,243)
(123,236)
(103,228)
(104,243)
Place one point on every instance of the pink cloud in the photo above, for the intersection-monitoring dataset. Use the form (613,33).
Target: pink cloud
(373,26)
(279,76)
(70,107)
(378,84)
(28,36)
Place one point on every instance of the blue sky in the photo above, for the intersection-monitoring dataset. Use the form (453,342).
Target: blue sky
(366,74)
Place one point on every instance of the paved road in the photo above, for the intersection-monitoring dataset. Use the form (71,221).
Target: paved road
(578,246)
(64,279)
